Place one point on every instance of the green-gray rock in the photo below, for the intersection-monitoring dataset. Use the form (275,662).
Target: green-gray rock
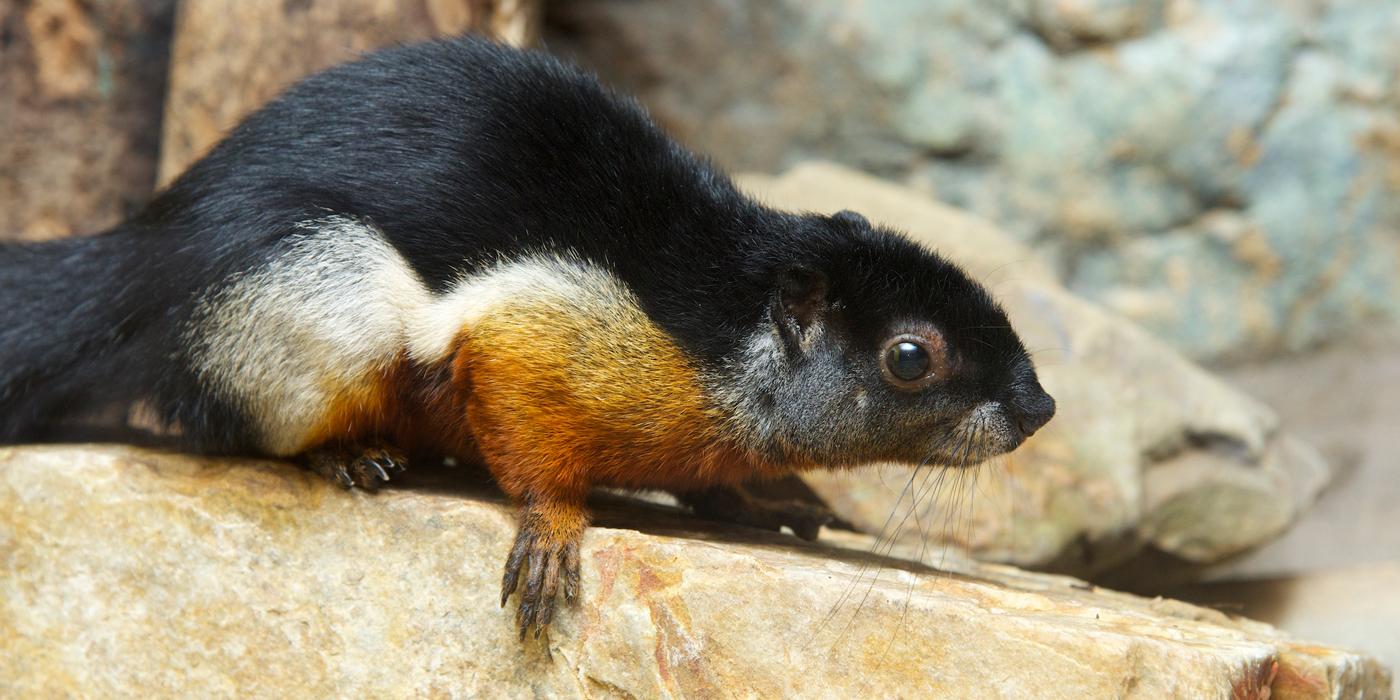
(1221,171)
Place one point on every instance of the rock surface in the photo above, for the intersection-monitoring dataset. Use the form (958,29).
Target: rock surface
(1148,455)
(1353,606)
(129,573)
(81,88)
(230,58)
(1331,400)
(1224,172)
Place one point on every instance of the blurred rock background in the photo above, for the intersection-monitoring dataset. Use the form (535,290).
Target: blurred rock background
(253,49)
(102,99)
(1223,172)
(81,91)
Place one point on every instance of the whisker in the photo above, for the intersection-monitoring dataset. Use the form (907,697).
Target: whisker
(922,527)
(881,541)
(948,517)
(865,565)
(909,590)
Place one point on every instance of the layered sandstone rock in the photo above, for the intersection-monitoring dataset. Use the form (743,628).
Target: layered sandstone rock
(127,573)
(1354,606)
(231,57)
(1149,459)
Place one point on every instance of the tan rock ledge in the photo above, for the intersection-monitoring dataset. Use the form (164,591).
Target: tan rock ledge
(130,573)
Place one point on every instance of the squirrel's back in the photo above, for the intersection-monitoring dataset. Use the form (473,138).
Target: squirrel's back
(276,274)
(464,152)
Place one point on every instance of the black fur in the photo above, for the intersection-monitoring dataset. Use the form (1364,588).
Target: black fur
(460,151)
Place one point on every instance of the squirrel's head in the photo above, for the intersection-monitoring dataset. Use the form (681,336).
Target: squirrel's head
(873,348)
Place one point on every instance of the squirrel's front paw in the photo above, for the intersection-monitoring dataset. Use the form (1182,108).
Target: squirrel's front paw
(547,553)
(366,468)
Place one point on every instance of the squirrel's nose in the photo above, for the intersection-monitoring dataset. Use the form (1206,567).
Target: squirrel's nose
(1034,412)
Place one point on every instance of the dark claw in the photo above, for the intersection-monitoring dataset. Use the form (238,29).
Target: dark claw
(514,562)
(363,472)
(366,469)
(571,574)
(379,469)
(342,477)
(551,590)
(508,584)
(522,617)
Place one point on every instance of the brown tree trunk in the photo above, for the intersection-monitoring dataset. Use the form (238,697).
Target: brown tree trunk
(81,89)
(231,56)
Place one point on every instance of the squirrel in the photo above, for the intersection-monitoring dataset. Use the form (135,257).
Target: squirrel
(469,250)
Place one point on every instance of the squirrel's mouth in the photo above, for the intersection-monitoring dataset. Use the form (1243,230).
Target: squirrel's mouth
(984,432)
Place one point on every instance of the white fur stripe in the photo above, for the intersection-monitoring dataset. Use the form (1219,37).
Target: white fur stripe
(435,325)
(338,305)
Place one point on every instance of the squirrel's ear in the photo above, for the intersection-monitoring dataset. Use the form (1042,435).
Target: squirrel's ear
(852,218)
(799,303)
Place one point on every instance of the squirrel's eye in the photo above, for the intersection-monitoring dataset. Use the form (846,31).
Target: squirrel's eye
(907,360)
(915,360)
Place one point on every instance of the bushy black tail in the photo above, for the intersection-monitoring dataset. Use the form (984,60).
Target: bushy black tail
(66,316)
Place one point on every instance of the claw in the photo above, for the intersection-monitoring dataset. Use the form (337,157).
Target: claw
(522,618)
(396,465)
(571,574)
(379,469)
(514,562)
(366,469)
(549,591)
